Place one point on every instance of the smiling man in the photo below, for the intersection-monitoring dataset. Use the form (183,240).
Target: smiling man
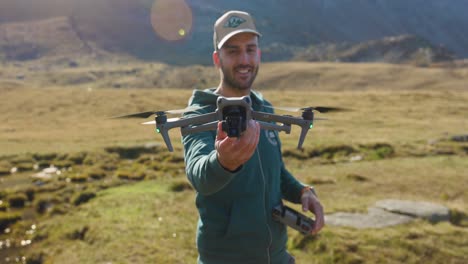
(240,180)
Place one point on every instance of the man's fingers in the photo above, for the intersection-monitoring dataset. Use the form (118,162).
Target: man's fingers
(310,203)
(319,218)
(220,134)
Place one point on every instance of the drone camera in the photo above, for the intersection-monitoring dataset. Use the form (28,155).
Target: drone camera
(234,122)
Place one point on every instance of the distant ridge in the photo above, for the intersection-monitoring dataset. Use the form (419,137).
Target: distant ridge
(396,49)
(124,27)
(53,37)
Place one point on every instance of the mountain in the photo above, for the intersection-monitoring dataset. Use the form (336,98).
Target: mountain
(53,37)
(408,49)
(137,27)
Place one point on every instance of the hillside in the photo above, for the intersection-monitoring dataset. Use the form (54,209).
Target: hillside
(54,37)
(125,26)
(400,49)
(279,75)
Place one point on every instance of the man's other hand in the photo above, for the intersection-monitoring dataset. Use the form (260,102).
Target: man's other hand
(310,202)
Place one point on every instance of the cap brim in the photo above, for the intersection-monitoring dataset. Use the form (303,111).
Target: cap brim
(228,36)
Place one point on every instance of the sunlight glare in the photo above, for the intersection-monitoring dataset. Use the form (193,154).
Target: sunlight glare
(171,19)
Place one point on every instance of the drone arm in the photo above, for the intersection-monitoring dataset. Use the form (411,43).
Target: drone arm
(199,128)
(271,126)
(286,120)
(267,117)
(304,131)
(183,122)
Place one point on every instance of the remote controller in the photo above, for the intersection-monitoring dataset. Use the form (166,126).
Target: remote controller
(293,219)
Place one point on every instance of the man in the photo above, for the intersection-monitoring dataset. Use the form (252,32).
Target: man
(240,180)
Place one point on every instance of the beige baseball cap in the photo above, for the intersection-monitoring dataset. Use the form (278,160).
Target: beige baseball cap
(230,24)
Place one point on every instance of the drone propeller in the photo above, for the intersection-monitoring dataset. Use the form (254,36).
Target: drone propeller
(320,109)
(168,120)
(150,113)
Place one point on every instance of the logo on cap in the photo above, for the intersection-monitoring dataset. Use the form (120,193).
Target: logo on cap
(234,22)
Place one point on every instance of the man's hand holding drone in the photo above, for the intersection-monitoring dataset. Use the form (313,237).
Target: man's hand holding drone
(232,152)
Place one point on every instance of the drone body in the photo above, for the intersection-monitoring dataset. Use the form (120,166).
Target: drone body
(234,113)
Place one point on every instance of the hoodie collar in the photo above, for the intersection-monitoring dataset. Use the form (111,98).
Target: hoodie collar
(209,97)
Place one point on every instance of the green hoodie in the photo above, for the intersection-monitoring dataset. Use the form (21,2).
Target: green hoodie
(235,224)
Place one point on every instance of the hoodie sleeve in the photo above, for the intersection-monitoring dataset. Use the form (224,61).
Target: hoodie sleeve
(201,163)
(290,187)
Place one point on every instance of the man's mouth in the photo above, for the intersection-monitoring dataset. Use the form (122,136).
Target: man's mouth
(243,70)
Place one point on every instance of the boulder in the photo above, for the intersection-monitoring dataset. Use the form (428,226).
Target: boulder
(375,218)
(390,212)
(425,210)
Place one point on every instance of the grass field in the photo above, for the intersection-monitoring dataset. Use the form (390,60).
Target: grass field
(116,202)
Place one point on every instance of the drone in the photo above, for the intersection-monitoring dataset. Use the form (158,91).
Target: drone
(234,113)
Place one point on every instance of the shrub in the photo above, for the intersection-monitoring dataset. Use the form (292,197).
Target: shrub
(180,186)
(58,209)
(78,234)
(295,153)
(17,200)
(109,166)
(5,168)
(44,156)
(79,178)
(77,158)
(130,175)
(30,192)
(83,197)
(174,158)
(42,205)
(334,152)
(25,166)
(8,218)
(96,173)
(458,218)
(59,163)
(43,164)
(4,206)
(356,177)
(39,258)
(378,151)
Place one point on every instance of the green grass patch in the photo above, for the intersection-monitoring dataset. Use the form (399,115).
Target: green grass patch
(413,243)
(127,224)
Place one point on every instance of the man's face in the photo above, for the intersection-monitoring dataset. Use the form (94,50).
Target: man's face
(239,60)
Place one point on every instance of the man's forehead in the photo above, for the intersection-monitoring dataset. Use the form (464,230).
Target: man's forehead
(242,39)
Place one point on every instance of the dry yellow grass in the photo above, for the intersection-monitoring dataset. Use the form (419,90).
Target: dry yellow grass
(64,120)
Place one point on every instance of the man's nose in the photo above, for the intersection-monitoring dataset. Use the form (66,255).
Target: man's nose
(244,58)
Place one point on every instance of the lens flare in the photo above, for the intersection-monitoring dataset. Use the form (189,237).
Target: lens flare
(171,19)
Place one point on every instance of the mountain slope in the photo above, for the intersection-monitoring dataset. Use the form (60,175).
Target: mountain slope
(125,25)
(44,38)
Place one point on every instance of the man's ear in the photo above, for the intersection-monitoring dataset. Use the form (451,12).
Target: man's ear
(216,58)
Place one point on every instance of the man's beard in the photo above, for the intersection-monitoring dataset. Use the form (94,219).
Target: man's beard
(230,81)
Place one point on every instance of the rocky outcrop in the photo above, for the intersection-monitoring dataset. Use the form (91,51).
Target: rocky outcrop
(389,213)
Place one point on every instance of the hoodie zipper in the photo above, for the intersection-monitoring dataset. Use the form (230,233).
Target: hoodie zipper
(265,207)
